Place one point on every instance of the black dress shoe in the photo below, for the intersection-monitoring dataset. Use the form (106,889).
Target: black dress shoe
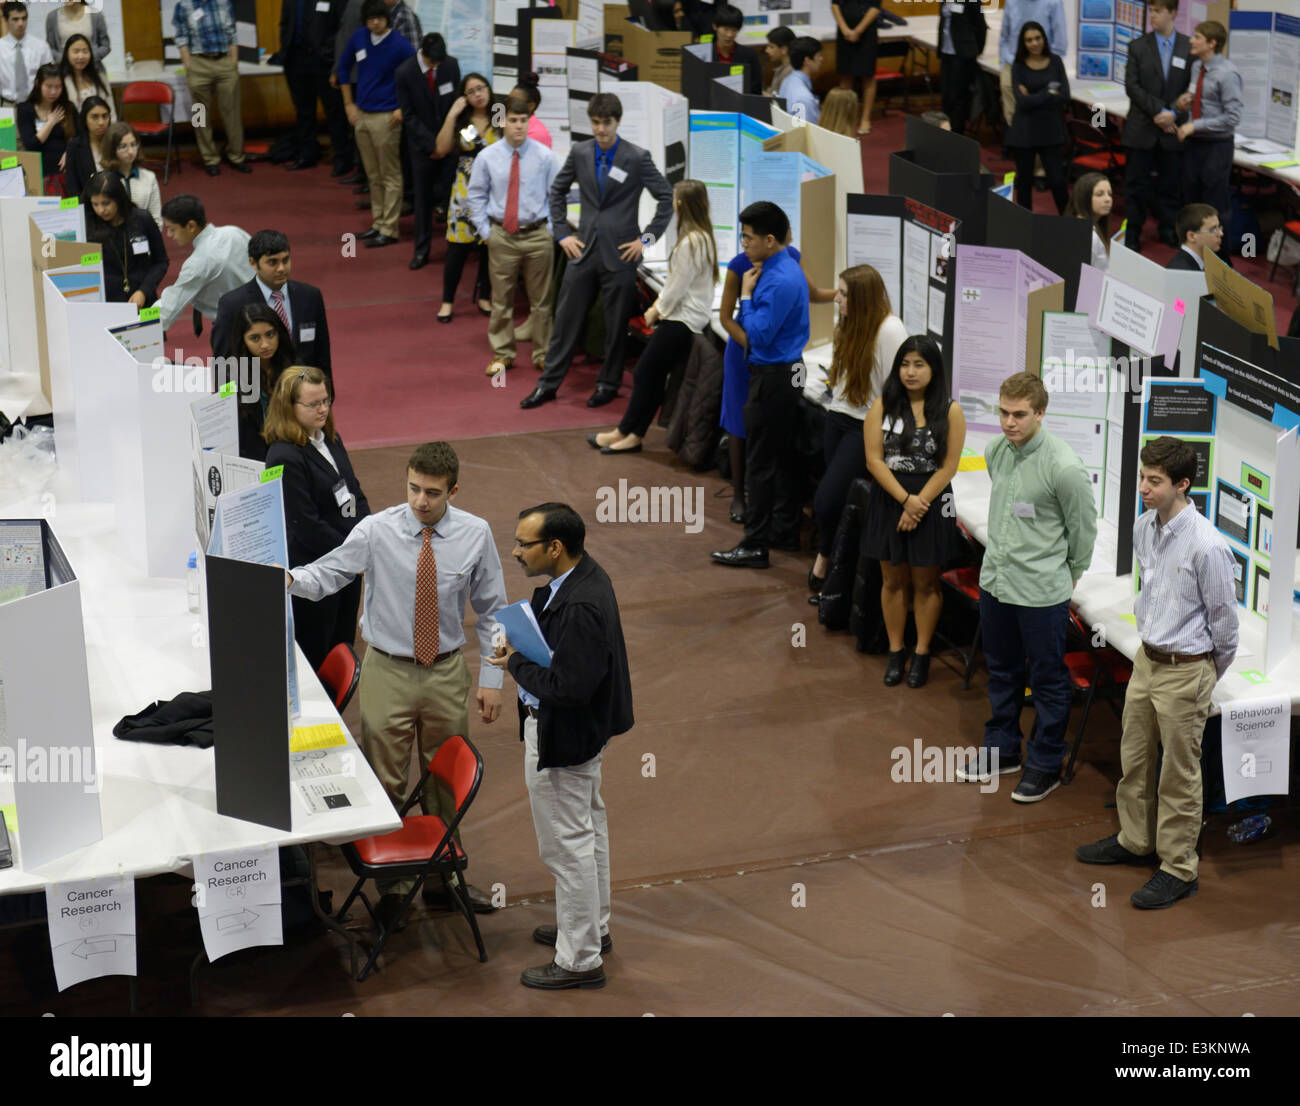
(894,668)
(546,935)
(419,261)
(630,449)
(737,512)
(380,240)
(445,318)
(814,581)
(438,899)
(297,166)
(240,166)
(355,177)
(340,170)
(537,397)
(373,232)
(591,441)
(743,556)
(362,189)
(551,977)
(602,395)
(212,170)
(920,670)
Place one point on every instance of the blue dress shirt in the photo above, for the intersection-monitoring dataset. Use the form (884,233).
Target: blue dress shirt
(605,157)
(527,697)
(204,26)
(797,89)
(489,184)
(1016,13)
(1165,43)
(775,319)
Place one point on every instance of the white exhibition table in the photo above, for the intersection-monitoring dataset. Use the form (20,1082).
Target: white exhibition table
(158,802)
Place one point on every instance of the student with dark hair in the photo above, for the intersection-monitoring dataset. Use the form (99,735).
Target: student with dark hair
(83,76)
(307,34)
(603,253)
(529,90)
(667,15)
(130,244)
(568,712)
(857,27)
(323,501)
(205,32)
(423,560)
(85,154)
(797,89)
(1042,93)
(300,307)
(21,55)
(73,18)
(121,153)
(914,436)
(1212,108)
(1199,229)
(1091,199)
(779,40)
(470,127)
(218,264)
(774,317)
(257,336)
(45,122)
(727,22)
(962,34)
(1187,616)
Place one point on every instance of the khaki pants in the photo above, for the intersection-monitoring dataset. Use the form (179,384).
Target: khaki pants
(1165,704)
(210,78)
(534,252)
(404,704)
(380,147)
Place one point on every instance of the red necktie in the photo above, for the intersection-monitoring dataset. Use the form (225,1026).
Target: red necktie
(1196,100)
(511,221)
(433,86)
(277,302)
(426,602)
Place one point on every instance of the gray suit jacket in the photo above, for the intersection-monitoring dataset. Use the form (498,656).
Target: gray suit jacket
(1150,91)
(607,223)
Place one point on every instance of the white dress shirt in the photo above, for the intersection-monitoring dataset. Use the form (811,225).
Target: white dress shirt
(219,264)
(687,294)
(889,337)
(35,53)
(322,447)
(266,291)
(386,547)
(1200,262)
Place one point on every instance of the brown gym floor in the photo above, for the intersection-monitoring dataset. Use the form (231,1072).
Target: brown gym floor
(770,865)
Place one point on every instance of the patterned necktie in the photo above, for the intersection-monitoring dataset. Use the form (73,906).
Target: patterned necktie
(426,602)
(277,302)
(511,221)
(1200,87)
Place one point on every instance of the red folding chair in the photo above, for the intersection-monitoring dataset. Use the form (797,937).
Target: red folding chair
(1094,669)
(964,583)
(424,846)
(340,674)
(159,93)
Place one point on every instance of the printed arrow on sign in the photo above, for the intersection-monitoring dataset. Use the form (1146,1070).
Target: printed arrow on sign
(242,920)
(95,948)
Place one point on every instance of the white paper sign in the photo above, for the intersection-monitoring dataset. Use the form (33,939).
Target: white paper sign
(1256,747)
(92,929)
(238,898)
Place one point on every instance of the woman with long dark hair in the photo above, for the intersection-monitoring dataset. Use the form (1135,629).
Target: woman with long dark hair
(257,338)
(130,244)
(914,435)
(1042,92)
(468,128)
(83,76)
(86,151)
(45,122)
(1091,199)
(322,500)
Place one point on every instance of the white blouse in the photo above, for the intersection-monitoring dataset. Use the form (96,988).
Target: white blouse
(145,194)
(1100,258)
(79,96)
(687,294)
(889,337)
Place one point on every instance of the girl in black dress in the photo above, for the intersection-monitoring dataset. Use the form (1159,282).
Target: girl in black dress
(257,337)
(1042,92)
(855,51)
(130,244)
(914,436)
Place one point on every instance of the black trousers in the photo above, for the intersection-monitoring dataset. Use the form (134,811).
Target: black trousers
(846,461)
(772,463)
(321,625)
(1139,199)
(669,346)
(1053,166)
(582,280)
(305,88)
(956,76)
(1207,167)
(424,172)
(453,264)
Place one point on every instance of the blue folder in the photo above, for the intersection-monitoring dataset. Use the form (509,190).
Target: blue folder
(525,635)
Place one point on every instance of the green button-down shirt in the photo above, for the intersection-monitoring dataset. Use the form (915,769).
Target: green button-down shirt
(1042,521)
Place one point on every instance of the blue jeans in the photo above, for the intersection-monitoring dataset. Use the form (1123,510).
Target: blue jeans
(1026,645)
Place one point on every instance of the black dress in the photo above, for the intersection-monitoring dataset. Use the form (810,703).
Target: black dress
(912,455)
(856,59)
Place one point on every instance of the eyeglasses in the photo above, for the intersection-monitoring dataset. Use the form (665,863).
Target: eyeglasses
(319,405)
(525,544)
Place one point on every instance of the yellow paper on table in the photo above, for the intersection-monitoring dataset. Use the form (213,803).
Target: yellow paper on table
(9,813)
(972,464)
(1131,619)
(327,735)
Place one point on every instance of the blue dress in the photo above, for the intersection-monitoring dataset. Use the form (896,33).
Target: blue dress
(735,367)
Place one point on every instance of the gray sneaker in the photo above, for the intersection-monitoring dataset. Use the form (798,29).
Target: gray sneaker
(1035,786)
(981,767)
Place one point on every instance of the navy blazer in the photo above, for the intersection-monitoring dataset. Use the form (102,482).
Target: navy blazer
(586,693)
(422,114)
(306,309)
(315,523)
(314,52)
(1150,91)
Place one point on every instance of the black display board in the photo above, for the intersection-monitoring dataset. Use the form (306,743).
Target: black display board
(697,80)
(1054,241)
(722,98)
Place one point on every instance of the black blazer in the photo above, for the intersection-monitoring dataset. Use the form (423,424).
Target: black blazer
(51,149)
(586,693)
(306,309)
(1183,260)
(119,251)
(1150,92)
(968,30)
(80,166)
(314,520)
(422,114)
(314,53)
(748,57)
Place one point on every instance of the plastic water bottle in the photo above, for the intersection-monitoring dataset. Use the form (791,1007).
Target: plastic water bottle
(192,583)
(1249,829)
(130,62)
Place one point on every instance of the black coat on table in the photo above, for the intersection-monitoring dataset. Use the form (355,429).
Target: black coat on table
(134,258)
(311,332)
(586,693)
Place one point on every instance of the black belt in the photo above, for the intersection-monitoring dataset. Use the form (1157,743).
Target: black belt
(411,660)
(1161,657)
(214,57)
(523,229)
(775,366)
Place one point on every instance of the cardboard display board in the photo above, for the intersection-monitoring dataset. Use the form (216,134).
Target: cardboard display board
(1181,289)
(1265,48)
(722,147)
(1243,301)
(49,253)
(698,75)
(587,70)
(1054,241)
(656,54)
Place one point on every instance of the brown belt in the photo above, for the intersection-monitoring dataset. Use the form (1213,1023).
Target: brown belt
(411,660)
(1174,658)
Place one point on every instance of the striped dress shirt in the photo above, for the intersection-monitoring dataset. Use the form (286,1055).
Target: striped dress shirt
(1187,603)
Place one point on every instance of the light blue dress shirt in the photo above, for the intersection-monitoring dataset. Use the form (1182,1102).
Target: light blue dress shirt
(797,89)
(527,697)
(219,264)
(265,289)
(386,547)
(489,184)
(1165,43)
(1049,13)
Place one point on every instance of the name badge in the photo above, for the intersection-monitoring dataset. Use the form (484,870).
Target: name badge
(617,174)
(1023,510)
(361,55)
(307,332)
(341,494)
(445,88)
(322,5)
(1178,63)
(139,245)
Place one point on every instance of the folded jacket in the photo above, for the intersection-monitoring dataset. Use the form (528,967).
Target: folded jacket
(185,720)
